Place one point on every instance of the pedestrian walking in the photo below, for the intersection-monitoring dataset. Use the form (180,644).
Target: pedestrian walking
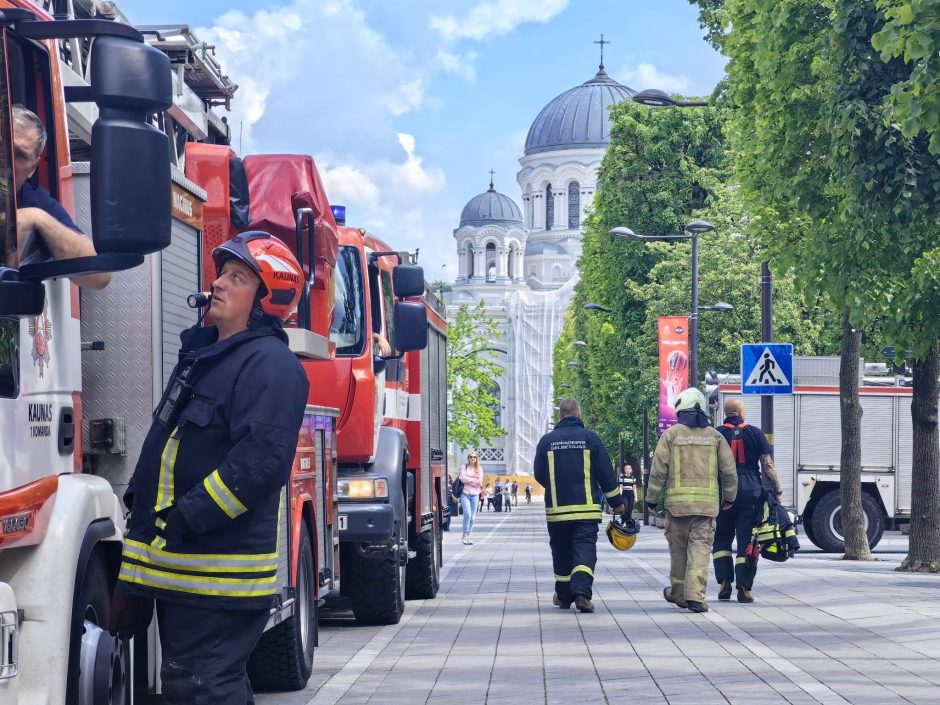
(498,495)
(690,460)
(490,499)
(755,466)
(206,492)
(528,493)
(471,475)
(570,462)
(507,497)
(515,493)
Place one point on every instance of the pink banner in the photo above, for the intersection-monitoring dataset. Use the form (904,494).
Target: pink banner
(673,367)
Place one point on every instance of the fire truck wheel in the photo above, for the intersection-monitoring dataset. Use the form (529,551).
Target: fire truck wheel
(378,583)
(424,572)
(826,522)
(100,675)
(283,658)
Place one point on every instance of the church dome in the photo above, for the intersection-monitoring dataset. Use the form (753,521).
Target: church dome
(578,118)
(490,208)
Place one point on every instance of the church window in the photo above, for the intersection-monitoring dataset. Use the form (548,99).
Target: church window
(496,406)
(549,208)
(470,262)
(574,205)
(490,262)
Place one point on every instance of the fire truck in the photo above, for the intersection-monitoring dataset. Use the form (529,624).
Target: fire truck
(807,446)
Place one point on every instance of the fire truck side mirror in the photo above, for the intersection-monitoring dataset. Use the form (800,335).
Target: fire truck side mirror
(411,325)
(408,280)
(19,298)
(130,165)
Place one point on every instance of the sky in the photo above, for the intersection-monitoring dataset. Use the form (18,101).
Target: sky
(407,104)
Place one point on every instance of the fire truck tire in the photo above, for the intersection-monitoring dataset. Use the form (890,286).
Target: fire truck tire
(826,522)
(283,658)
(378,582)
(424,573)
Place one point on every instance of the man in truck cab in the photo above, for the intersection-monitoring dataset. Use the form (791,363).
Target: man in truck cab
(44,229)
(202,538)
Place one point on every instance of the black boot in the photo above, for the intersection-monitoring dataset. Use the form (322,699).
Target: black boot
(583,604)
(696,606)
(725,592)
(744,595)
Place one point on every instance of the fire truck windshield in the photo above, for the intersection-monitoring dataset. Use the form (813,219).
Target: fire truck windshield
(348,328)
(7,206)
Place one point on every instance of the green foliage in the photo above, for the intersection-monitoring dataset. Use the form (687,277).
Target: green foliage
(912,31)
(471,377)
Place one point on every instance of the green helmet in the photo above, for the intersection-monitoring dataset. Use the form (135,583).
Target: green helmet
(689,399)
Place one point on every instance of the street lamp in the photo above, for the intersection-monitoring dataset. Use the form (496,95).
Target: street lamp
(573,363)
(695,228)
(655,98)
(596,307)
(580,344)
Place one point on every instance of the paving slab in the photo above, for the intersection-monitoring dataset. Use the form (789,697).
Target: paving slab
(821,631)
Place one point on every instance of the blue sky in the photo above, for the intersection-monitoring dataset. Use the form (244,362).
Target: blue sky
(407,104)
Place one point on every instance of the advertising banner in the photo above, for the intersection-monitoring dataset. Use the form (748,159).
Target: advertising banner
(673,367)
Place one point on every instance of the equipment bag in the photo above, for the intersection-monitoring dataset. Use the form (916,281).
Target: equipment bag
(775,534)
(457,488)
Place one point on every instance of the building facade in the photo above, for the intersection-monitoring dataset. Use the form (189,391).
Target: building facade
(522,262)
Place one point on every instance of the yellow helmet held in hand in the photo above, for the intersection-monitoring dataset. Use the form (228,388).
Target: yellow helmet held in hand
(690,398)
(621,532)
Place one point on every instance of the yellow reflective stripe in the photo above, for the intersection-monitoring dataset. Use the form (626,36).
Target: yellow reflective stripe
(740,559)
(582,569)
(586,455)
(575,516)
(158,542)
(551,475)
(562,578)
(721,554)
(565,508)
(692,494)
(791,532)
(613,493)
(223,496)
(167,463)
(201,562)
(197,584)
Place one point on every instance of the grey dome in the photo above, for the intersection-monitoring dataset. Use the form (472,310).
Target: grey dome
(578,118)
(490,208)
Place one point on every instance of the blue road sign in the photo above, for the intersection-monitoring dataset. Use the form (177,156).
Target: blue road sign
(767,368)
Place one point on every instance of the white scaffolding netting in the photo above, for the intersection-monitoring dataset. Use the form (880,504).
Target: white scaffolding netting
(535,322)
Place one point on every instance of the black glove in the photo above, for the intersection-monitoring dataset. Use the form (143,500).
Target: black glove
(130,614)
(652,506)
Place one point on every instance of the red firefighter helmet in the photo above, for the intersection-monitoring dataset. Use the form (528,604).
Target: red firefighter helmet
(282,278)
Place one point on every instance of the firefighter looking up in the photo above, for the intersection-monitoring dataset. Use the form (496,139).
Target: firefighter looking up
(205,495)
(748,445)
(44,230)
(570,462)
(690,460)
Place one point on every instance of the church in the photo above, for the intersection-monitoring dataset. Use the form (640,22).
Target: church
(522,262)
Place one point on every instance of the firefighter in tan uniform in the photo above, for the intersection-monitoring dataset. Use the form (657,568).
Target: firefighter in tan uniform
(695,472)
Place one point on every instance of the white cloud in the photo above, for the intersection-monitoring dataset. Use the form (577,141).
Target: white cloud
(458,64)
(496,17)
(645,76)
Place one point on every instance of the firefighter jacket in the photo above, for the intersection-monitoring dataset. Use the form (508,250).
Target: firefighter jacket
(569,463)
(687,466)
(205,495)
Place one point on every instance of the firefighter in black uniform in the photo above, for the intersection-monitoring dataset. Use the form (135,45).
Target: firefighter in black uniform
(570,462)
(753,457)
(205,495)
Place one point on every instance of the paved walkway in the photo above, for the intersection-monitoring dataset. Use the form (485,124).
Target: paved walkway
(821,631)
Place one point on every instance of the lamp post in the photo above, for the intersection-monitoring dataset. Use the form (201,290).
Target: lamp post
(596,307)
(695,228)
(656,98)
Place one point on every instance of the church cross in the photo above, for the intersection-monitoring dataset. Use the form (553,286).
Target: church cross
(602,42)
(491,177)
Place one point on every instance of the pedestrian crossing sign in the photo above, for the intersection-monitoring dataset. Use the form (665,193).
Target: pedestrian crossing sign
(767,368)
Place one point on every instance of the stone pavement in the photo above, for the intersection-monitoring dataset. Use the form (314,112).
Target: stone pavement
(821,631)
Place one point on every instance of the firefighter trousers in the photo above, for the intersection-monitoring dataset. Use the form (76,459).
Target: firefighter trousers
(205,652)
(690,542)
(574,555)
(735,524)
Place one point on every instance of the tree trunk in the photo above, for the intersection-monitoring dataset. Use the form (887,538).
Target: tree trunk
(850,463)
(924,551)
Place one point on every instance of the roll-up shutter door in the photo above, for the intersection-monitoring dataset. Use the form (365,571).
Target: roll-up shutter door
(179,275)
(877,433)
(820,441)
(905,454)
(427,355)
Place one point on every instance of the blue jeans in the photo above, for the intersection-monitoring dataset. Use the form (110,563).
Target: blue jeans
(469,504)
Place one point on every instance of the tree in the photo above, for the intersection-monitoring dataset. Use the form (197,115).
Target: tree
(912,30)
(471,377)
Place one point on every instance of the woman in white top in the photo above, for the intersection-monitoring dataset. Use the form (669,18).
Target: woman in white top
(471,475)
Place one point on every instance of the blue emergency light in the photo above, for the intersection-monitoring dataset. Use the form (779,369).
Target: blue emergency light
(339,214)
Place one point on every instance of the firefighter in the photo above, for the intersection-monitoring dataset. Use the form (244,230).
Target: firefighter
(570,462)
(755,466)
(691,460)
(205,496)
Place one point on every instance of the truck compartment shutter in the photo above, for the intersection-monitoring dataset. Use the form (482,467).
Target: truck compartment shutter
(820,432)
(905,455)
(428,420)
(179,277)
(877,431)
